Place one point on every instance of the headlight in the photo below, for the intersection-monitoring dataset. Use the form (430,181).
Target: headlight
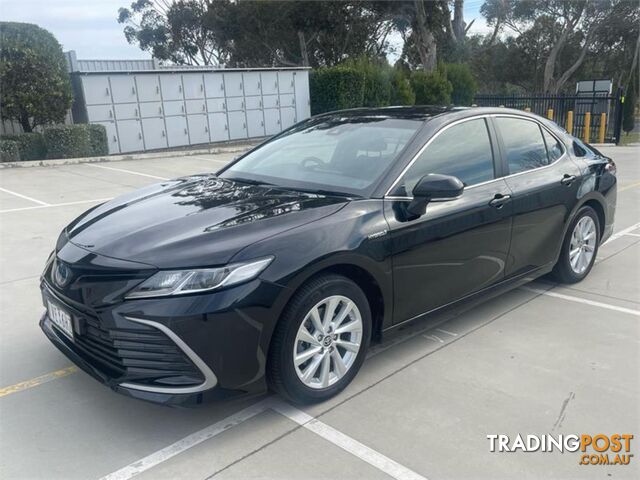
(180,282)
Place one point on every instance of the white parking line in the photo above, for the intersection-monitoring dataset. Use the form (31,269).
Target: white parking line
(447,332)
(621,233)
(583,300)
(24,197)
(189,441)
(126,171)
(372,457)
(433,338)
(52,205)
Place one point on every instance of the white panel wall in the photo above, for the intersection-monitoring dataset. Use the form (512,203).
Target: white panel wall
(160,109)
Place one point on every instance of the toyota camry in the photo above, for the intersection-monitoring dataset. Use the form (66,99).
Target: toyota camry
(280,269)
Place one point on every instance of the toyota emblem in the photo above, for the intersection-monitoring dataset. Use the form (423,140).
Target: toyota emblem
(61,274)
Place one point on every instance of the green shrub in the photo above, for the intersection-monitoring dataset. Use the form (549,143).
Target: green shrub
(36,89)
(377,80)
(431,88)
(463,83)
(31,145)
(336,88)
(401,91)
(67,141)
(98,140)
(9,151)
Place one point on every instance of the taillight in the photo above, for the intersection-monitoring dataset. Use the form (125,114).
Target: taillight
(611,167)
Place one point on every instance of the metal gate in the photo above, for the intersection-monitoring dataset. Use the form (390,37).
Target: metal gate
(569,111)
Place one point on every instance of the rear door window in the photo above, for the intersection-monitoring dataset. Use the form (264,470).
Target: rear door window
(554,147)
(525,148)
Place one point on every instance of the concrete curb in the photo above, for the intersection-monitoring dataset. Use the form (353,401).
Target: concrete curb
(231,148)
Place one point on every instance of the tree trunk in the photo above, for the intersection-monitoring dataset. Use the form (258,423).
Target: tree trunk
(425,40)
(24,122)
(633,64)
(304,54)
(458,20)
(571,70)
(494,35)
(550,64)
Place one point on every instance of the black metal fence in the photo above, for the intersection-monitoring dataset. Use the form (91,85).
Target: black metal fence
(558,108)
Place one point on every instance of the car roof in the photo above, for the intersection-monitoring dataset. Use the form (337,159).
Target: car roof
(425,112)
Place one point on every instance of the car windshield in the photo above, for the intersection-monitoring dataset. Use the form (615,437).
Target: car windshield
(341,154)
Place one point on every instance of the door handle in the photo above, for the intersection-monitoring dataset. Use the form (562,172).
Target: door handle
(568,179)
(499,200)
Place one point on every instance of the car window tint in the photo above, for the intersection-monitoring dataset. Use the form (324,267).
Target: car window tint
(582,150)
(525,148)
(463,151)
(554,147)
(341,153)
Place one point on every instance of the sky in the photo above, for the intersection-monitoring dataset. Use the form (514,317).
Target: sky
(90,27)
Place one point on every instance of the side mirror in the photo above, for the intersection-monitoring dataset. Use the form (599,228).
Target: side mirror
(434,188)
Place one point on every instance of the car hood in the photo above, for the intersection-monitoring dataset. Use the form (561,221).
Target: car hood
(200,220)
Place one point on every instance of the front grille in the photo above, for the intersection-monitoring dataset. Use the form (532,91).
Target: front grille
(140,354)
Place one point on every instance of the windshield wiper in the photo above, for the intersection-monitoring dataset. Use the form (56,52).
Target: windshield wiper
(251,181)
(332,193)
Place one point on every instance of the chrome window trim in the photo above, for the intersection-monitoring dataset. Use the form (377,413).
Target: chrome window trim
(486,115)
(210,379)
(437,134)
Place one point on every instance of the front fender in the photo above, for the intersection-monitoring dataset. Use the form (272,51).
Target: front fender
(354,237)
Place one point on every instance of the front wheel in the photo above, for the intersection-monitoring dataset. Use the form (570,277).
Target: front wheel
(321,340)
(579,248)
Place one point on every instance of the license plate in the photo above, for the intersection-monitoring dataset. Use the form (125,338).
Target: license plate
(60,319)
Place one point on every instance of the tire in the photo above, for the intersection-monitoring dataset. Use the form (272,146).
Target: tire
(289,340)
(566,272)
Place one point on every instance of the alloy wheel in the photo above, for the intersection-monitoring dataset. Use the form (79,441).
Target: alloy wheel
(327,342)
(583,245)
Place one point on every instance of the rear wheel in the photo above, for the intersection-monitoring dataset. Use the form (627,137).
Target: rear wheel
(579,248)
(321,340)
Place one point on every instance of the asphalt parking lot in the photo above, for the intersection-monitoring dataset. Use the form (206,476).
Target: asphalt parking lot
(540,359)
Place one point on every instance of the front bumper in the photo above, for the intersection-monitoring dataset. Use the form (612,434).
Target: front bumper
(212,346)
(163,397)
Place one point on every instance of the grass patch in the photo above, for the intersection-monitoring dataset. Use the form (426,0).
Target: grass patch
(631,137)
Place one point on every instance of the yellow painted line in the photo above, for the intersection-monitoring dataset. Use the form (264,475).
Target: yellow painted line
(627,187)
(34,382)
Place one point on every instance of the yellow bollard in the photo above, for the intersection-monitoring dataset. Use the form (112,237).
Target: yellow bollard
(550,114)
(603,127)
(570,122)
(527,109)
(587,127)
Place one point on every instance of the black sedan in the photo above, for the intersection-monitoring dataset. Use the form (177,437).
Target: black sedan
(278,270)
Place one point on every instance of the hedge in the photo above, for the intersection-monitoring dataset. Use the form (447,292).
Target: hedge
(98,140)
(431,88)
(81,140)
(371,83)
(9,151)
(463,84)
(336,88)
(377,80)
(401,91)
(31,145)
